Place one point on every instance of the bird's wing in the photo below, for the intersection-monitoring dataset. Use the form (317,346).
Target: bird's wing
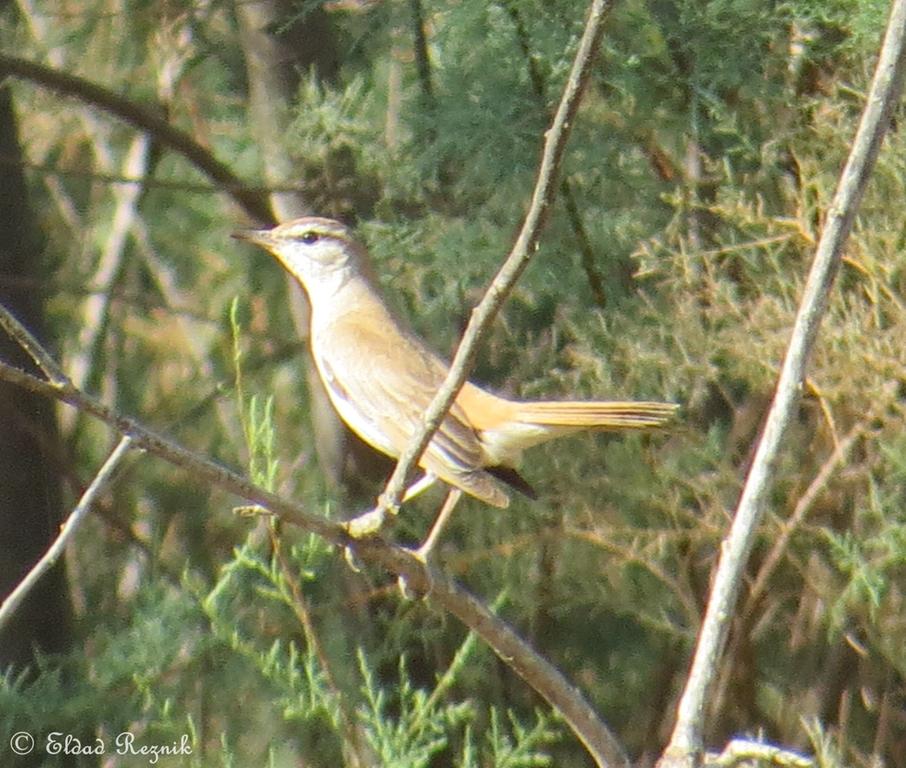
(383,393)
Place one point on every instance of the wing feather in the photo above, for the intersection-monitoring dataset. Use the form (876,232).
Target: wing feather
(383,394)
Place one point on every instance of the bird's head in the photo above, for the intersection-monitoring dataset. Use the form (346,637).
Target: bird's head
(321,253)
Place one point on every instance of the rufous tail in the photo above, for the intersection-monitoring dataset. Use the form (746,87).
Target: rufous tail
(596,415)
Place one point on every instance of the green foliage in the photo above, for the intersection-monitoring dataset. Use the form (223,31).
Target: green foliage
(257,417)
(409,738)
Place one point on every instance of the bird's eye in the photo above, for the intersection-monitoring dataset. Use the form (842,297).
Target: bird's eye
(310,237)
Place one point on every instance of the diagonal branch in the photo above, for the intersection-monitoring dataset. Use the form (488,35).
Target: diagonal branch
(144,119)
(686,741)
(33,348)
(539,88)
(445,593)
(517,260)
(67,531)
(96,308)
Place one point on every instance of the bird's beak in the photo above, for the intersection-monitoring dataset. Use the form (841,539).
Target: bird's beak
(256,236)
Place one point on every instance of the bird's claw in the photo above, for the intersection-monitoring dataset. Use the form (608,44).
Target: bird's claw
(365,525)
(423,555)
(252,510)
(352,559)
(368,523)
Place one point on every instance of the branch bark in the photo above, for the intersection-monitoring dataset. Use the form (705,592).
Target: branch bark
(442,591)
(686,742)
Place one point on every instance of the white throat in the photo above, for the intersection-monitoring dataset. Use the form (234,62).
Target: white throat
(334,294)
(325,286)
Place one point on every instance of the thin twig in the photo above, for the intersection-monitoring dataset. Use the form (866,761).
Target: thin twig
(539,89)
(804,505)
(95,317)
(686,741)
(442,591)
(635,555)
(586,250)
(302,611)
(101,177)
(788,527)
(517,260)
(30,344)
(422,62)
(67,531)
(744,752)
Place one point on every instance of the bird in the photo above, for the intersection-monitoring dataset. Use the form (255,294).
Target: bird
(380,377)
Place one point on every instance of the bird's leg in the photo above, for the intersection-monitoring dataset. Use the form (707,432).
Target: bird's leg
(422,484)
(370,522)
(424,552)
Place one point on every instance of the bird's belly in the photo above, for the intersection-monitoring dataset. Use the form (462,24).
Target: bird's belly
(357,421)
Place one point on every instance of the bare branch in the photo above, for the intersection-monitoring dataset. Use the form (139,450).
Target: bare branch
(539,88)
(442,591)
(517,260)
(67,531)
(96,307)
(143,119)
(100,177)
(686,741)
(32,346)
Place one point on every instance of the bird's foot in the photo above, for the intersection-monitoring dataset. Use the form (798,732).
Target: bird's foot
(364,526)
(425,556)
(352,560)
(370,523)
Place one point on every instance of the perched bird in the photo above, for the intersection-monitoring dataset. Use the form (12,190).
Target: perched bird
(381,377)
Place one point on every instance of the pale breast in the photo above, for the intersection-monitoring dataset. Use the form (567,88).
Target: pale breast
(359,421)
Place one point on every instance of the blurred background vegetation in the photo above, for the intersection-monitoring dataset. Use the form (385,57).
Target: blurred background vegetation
(704,155)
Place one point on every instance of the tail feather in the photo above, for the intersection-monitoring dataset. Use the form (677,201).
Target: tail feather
(596,415)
